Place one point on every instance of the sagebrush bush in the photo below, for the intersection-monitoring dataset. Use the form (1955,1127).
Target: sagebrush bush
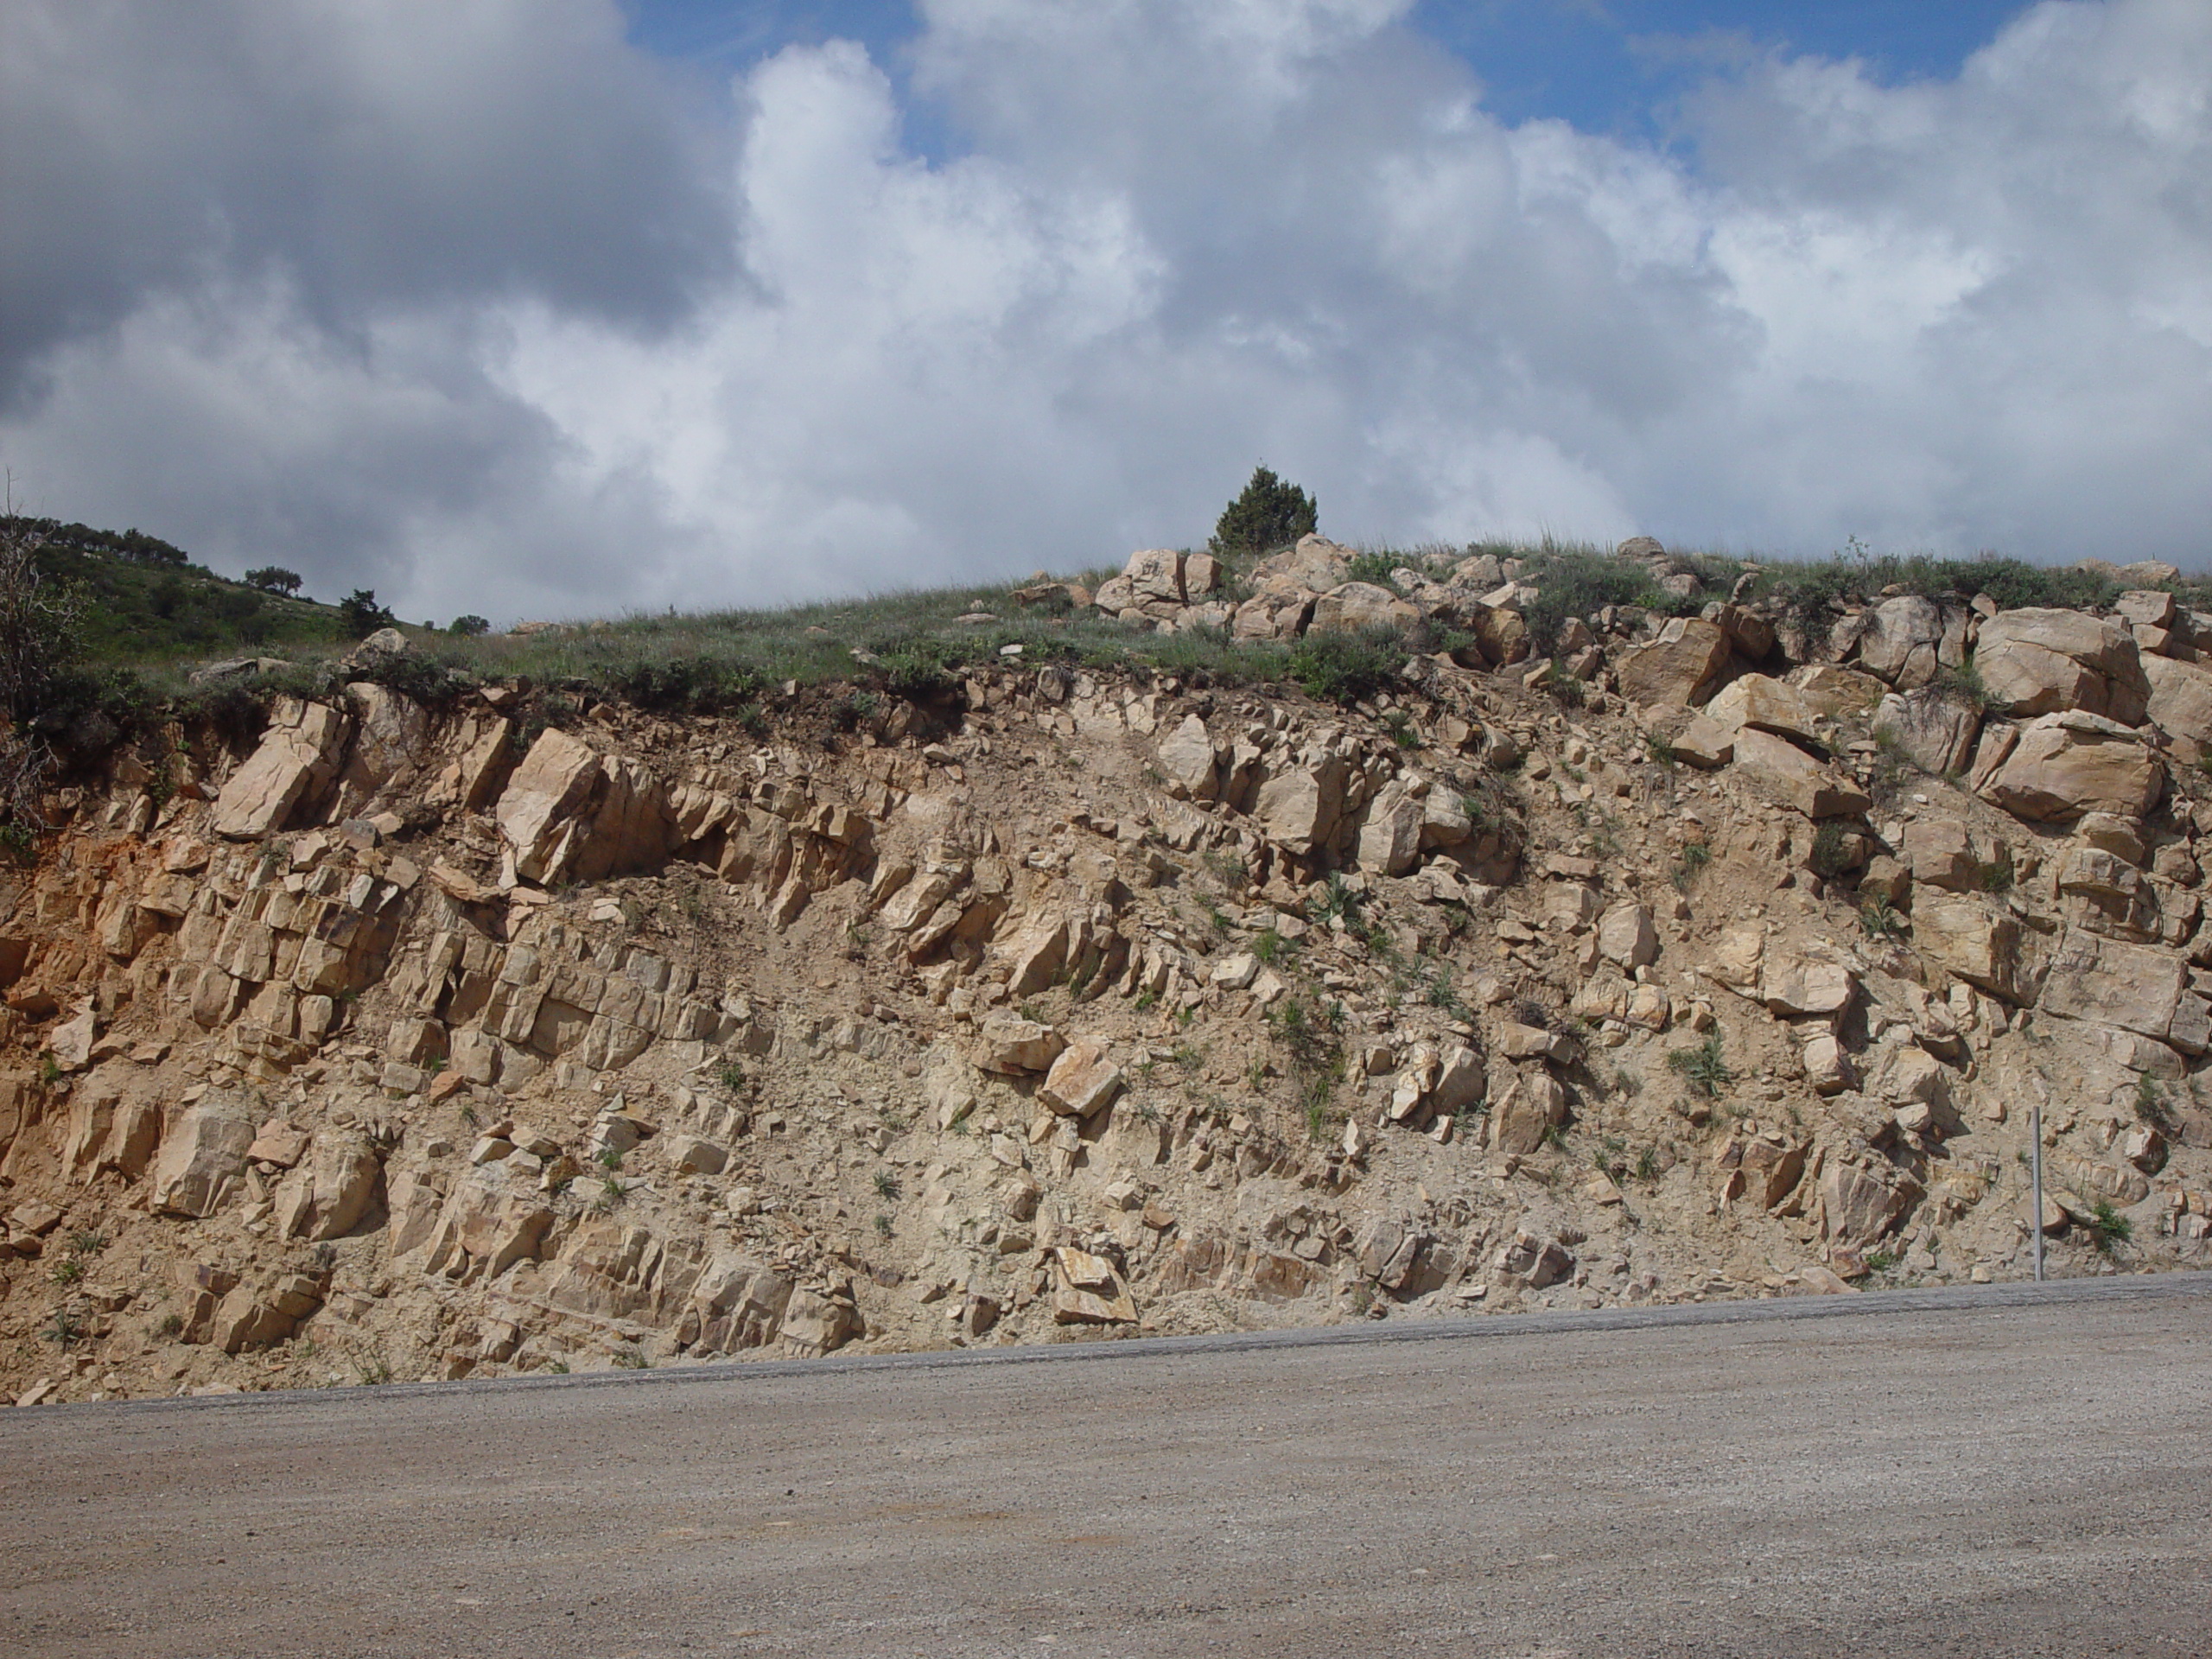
(1347,668)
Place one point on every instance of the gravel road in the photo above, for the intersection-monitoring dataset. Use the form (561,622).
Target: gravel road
(2012,1471)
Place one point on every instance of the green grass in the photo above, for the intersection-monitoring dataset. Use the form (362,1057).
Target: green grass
(2108,1230)
(150,614)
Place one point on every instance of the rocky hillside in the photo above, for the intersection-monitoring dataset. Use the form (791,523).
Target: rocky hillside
(1722,954)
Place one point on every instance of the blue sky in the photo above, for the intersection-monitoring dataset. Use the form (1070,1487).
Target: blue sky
(1612,66)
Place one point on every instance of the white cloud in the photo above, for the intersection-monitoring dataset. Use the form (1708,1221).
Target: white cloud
(531,334)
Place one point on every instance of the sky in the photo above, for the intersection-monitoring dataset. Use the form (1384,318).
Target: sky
(566,308)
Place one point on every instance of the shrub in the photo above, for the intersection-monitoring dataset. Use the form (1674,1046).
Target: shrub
(1827,855)
(360,615)
(1703,1069)
(1580,582)
(1269,513)
(2108,1229)
(1695,856)
(918,670)
(1376,568)
(470,627)
(42,625)
(1347,668)
(686,685)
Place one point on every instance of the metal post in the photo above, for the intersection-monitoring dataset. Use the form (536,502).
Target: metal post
(2035,1125)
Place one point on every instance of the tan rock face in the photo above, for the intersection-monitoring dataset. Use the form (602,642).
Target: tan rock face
(2180,703)
(1526,1109)
(1681,666)
(2135,988)
(1390,837)
(1942,855)
(1627,939)
(202,1158)
(296,762)
(1083,1080)
(1013,1044)
(1768,704)
(537,809)
(1933,730)
(2068,764)
(1978,943)
(1155,573)
(1782,770)
(1360,607)
(1188,756)
(1300,807)
(2043,662)
(1908,641)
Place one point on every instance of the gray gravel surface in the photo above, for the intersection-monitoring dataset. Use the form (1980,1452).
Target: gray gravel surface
(2008,1471)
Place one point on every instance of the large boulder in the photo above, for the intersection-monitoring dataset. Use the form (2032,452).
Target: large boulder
(296,762)
(1907,640)
(1681,666)
(1526,1111)
(1390,836)
(2134,987)
(1361,607)
(2038,661)
(392,741)
(1781,769)
(326,1196)
(202,1158)
(1316,564)
(2065,765)
(1981,945)
(1770,705)
(571,813)
(1082,1081)
(1299,806)
(1277,615)
(1942,854)
(1626,937)
(537,809)
(1189,756)
(1156,573)
(1928,726)
(2180,703)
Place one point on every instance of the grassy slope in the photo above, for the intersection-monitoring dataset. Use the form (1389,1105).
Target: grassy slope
(156,621)
(146,614)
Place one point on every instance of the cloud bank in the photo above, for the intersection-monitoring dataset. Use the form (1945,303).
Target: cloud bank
(471,301)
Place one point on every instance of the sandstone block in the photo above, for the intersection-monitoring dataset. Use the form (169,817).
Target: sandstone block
(1189,756)
(1155,573)
(2134,987)
(1770,704)
(1014,1044)
(1785,771)
(1360,607)
(1680,666)
(1933,730)
(2065,765)
(1626,936)
(2180,703)
(1526,1111)
(296,760)
(202,1158)
(2039,661)
(1981,945)
(1083,1079)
